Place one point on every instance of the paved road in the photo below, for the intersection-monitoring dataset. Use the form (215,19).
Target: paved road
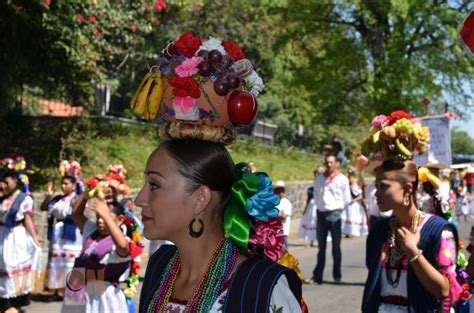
(327,297)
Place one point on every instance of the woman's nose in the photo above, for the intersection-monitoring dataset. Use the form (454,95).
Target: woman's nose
(139,199)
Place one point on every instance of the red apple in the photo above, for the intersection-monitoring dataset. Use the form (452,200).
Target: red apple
(241,107)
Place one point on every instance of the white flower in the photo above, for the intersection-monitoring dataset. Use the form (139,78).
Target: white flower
(256,83)
(211,44)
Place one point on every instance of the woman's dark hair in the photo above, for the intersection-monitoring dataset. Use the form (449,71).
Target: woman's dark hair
(204,163)
(116,207)
(72,179)
(405,172)
(12,175)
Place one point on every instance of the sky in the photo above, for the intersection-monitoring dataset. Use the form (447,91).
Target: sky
(467,125)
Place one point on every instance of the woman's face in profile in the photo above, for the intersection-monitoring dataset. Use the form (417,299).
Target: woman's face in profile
(166,205)
(389,192)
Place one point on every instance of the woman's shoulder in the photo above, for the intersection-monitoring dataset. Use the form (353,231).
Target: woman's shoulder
(263,275)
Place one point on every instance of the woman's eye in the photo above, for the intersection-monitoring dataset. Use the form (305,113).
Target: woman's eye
(154,186)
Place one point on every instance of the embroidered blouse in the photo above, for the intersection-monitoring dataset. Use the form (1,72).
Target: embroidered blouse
(282,300)
(445,264)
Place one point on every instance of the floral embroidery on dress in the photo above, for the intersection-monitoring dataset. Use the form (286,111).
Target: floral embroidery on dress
(276,310)
(446,263)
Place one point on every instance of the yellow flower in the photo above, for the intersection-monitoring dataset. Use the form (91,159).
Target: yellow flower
(447,253)
(130,292)
(291,262)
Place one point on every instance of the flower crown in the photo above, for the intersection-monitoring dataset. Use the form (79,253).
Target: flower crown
(16,163)
(112,185)
(202,89)
(70,167)
(396,137)
(13,162)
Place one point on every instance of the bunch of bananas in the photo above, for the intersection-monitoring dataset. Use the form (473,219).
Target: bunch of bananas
(147,99)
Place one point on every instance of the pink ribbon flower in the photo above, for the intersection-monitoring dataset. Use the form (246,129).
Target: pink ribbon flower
(269,236)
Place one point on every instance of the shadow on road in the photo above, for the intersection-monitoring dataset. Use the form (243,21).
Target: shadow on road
(344,283)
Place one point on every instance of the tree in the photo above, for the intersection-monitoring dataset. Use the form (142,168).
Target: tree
(461,142)
(376,56)
(64,48)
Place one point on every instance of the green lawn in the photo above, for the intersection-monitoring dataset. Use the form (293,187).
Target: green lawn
(131,146)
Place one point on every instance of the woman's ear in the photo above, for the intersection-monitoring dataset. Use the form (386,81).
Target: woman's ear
(409,188)
(203,196)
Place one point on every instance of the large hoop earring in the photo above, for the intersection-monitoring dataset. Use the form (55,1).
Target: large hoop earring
(194,233)
(406,201)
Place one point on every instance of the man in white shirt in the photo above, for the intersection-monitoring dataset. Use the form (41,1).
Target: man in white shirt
(372,207)
(285,208)
(332,193)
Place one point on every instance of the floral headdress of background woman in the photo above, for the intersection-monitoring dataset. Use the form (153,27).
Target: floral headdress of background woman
(72,167)
(397,138)
(113,188)
(16,163)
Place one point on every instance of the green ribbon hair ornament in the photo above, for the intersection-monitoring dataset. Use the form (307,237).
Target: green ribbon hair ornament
(236,219)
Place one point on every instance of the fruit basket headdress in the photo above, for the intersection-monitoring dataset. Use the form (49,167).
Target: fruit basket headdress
(204,90)
(395,137)
(200,89)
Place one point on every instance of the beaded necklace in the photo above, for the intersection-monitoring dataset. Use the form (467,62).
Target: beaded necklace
(395,253)
(206,292)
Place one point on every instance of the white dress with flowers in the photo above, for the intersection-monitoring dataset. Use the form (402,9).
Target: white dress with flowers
(63,252)
(19,255)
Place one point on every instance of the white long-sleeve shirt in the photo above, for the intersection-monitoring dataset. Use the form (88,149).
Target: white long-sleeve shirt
(331,194)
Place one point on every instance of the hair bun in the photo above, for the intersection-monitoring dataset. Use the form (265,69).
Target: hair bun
(183,130)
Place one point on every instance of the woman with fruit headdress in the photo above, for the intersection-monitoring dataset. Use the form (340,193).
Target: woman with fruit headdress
(111,249)
(222,219)
(65,240)
(20,251)
(411,256)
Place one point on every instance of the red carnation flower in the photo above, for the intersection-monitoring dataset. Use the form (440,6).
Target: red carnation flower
(93,19)
(91,183)
(185,87)
(188,44)
(117,177)
(134,249)
(397,115)
(135,268)
(234,51)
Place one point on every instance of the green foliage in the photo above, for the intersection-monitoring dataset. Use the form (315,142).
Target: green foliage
(281,163)
(328,65)
(461,142)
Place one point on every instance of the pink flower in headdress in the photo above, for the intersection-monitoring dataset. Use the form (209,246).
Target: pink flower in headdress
(379,120)
(269,236)
(189,67)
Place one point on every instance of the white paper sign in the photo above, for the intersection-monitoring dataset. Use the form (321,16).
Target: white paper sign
(439,150)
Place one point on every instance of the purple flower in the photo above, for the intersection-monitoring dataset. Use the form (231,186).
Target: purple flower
(169,112)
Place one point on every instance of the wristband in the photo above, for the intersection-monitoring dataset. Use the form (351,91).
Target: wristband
(416,257)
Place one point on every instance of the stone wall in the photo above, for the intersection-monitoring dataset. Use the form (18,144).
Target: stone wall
(295,191)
